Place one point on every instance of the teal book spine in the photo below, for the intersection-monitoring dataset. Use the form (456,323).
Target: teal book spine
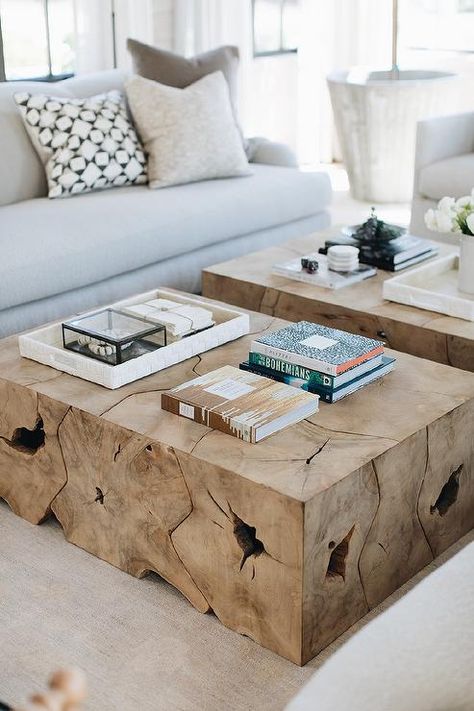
(292,370)
(325,395)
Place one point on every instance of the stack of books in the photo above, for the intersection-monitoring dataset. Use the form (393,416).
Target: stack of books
(321,360)
(393,255)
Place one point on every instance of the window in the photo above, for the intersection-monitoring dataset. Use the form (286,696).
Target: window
(275,27)
(37,38)
(437,25)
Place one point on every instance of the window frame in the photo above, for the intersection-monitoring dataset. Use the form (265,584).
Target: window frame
(2,58)
(271,52)
(50,77)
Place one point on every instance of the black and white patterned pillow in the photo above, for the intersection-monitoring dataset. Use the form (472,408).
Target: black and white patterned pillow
(85,144)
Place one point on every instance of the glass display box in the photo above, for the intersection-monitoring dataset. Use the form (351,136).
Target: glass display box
(112,337)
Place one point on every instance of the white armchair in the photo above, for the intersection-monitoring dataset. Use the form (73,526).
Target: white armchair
(416,655)
(444,165)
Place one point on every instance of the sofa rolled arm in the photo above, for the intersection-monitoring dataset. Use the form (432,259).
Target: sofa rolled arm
(261,150)
(443,137)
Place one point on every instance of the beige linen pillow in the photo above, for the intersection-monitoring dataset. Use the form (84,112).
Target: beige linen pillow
(189,134)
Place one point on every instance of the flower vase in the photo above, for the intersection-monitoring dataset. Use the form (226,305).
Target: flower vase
(466,264)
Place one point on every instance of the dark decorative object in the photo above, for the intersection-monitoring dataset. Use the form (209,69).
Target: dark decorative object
(309,265)
(112,337)
(375,230)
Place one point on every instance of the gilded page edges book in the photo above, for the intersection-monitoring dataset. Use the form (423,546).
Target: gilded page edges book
(245,405)
(310,345)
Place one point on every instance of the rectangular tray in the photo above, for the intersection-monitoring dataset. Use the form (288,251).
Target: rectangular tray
(45,344)
(433,287)
(323,278)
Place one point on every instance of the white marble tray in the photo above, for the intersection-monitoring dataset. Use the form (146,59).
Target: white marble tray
(434,287)
(45,344)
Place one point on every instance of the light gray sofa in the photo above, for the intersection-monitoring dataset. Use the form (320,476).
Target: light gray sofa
(444,165)
(66,255)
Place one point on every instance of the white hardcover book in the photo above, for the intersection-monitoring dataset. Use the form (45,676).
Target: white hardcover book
(295,358)
(326,350)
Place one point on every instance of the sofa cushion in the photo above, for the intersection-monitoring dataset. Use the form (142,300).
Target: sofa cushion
(21,172)
(189,134)
(453,176)
(84,144)
(58,245)
(172,69)
(417,655)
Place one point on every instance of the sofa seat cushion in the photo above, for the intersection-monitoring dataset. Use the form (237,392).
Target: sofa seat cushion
(453,176)
(52,246)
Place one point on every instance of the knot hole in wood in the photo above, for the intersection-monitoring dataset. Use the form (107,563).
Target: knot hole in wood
(29,441)
(448,494)
(337,561)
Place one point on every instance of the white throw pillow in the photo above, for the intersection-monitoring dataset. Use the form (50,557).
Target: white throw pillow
(189,134)
(84,144)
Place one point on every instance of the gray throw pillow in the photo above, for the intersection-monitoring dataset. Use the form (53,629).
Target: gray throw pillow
(173,70)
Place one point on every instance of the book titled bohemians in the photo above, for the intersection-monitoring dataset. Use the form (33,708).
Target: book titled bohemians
(242,404)
(313,377)
(329,395)
(320,348)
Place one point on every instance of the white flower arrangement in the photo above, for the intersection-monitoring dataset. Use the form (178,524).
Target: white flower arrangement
(452,215)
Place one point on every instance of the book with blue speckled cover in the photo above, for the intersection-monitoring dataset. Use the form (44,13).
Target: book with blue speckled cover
(321,348)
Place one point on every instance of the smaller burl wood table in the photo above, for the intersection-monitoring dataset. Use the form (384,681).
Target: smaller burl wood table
(289,541)
(360,308)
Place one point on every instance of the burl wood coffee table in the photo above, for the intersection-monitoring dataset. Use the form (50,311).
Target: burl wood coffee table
(332,514)
(247,281)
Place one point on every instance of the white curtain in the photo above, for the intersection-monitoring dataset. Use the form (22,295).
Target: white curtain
(284,97)
(135,19)
(204,24)
(200,25)
(94,35)
(334,35)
